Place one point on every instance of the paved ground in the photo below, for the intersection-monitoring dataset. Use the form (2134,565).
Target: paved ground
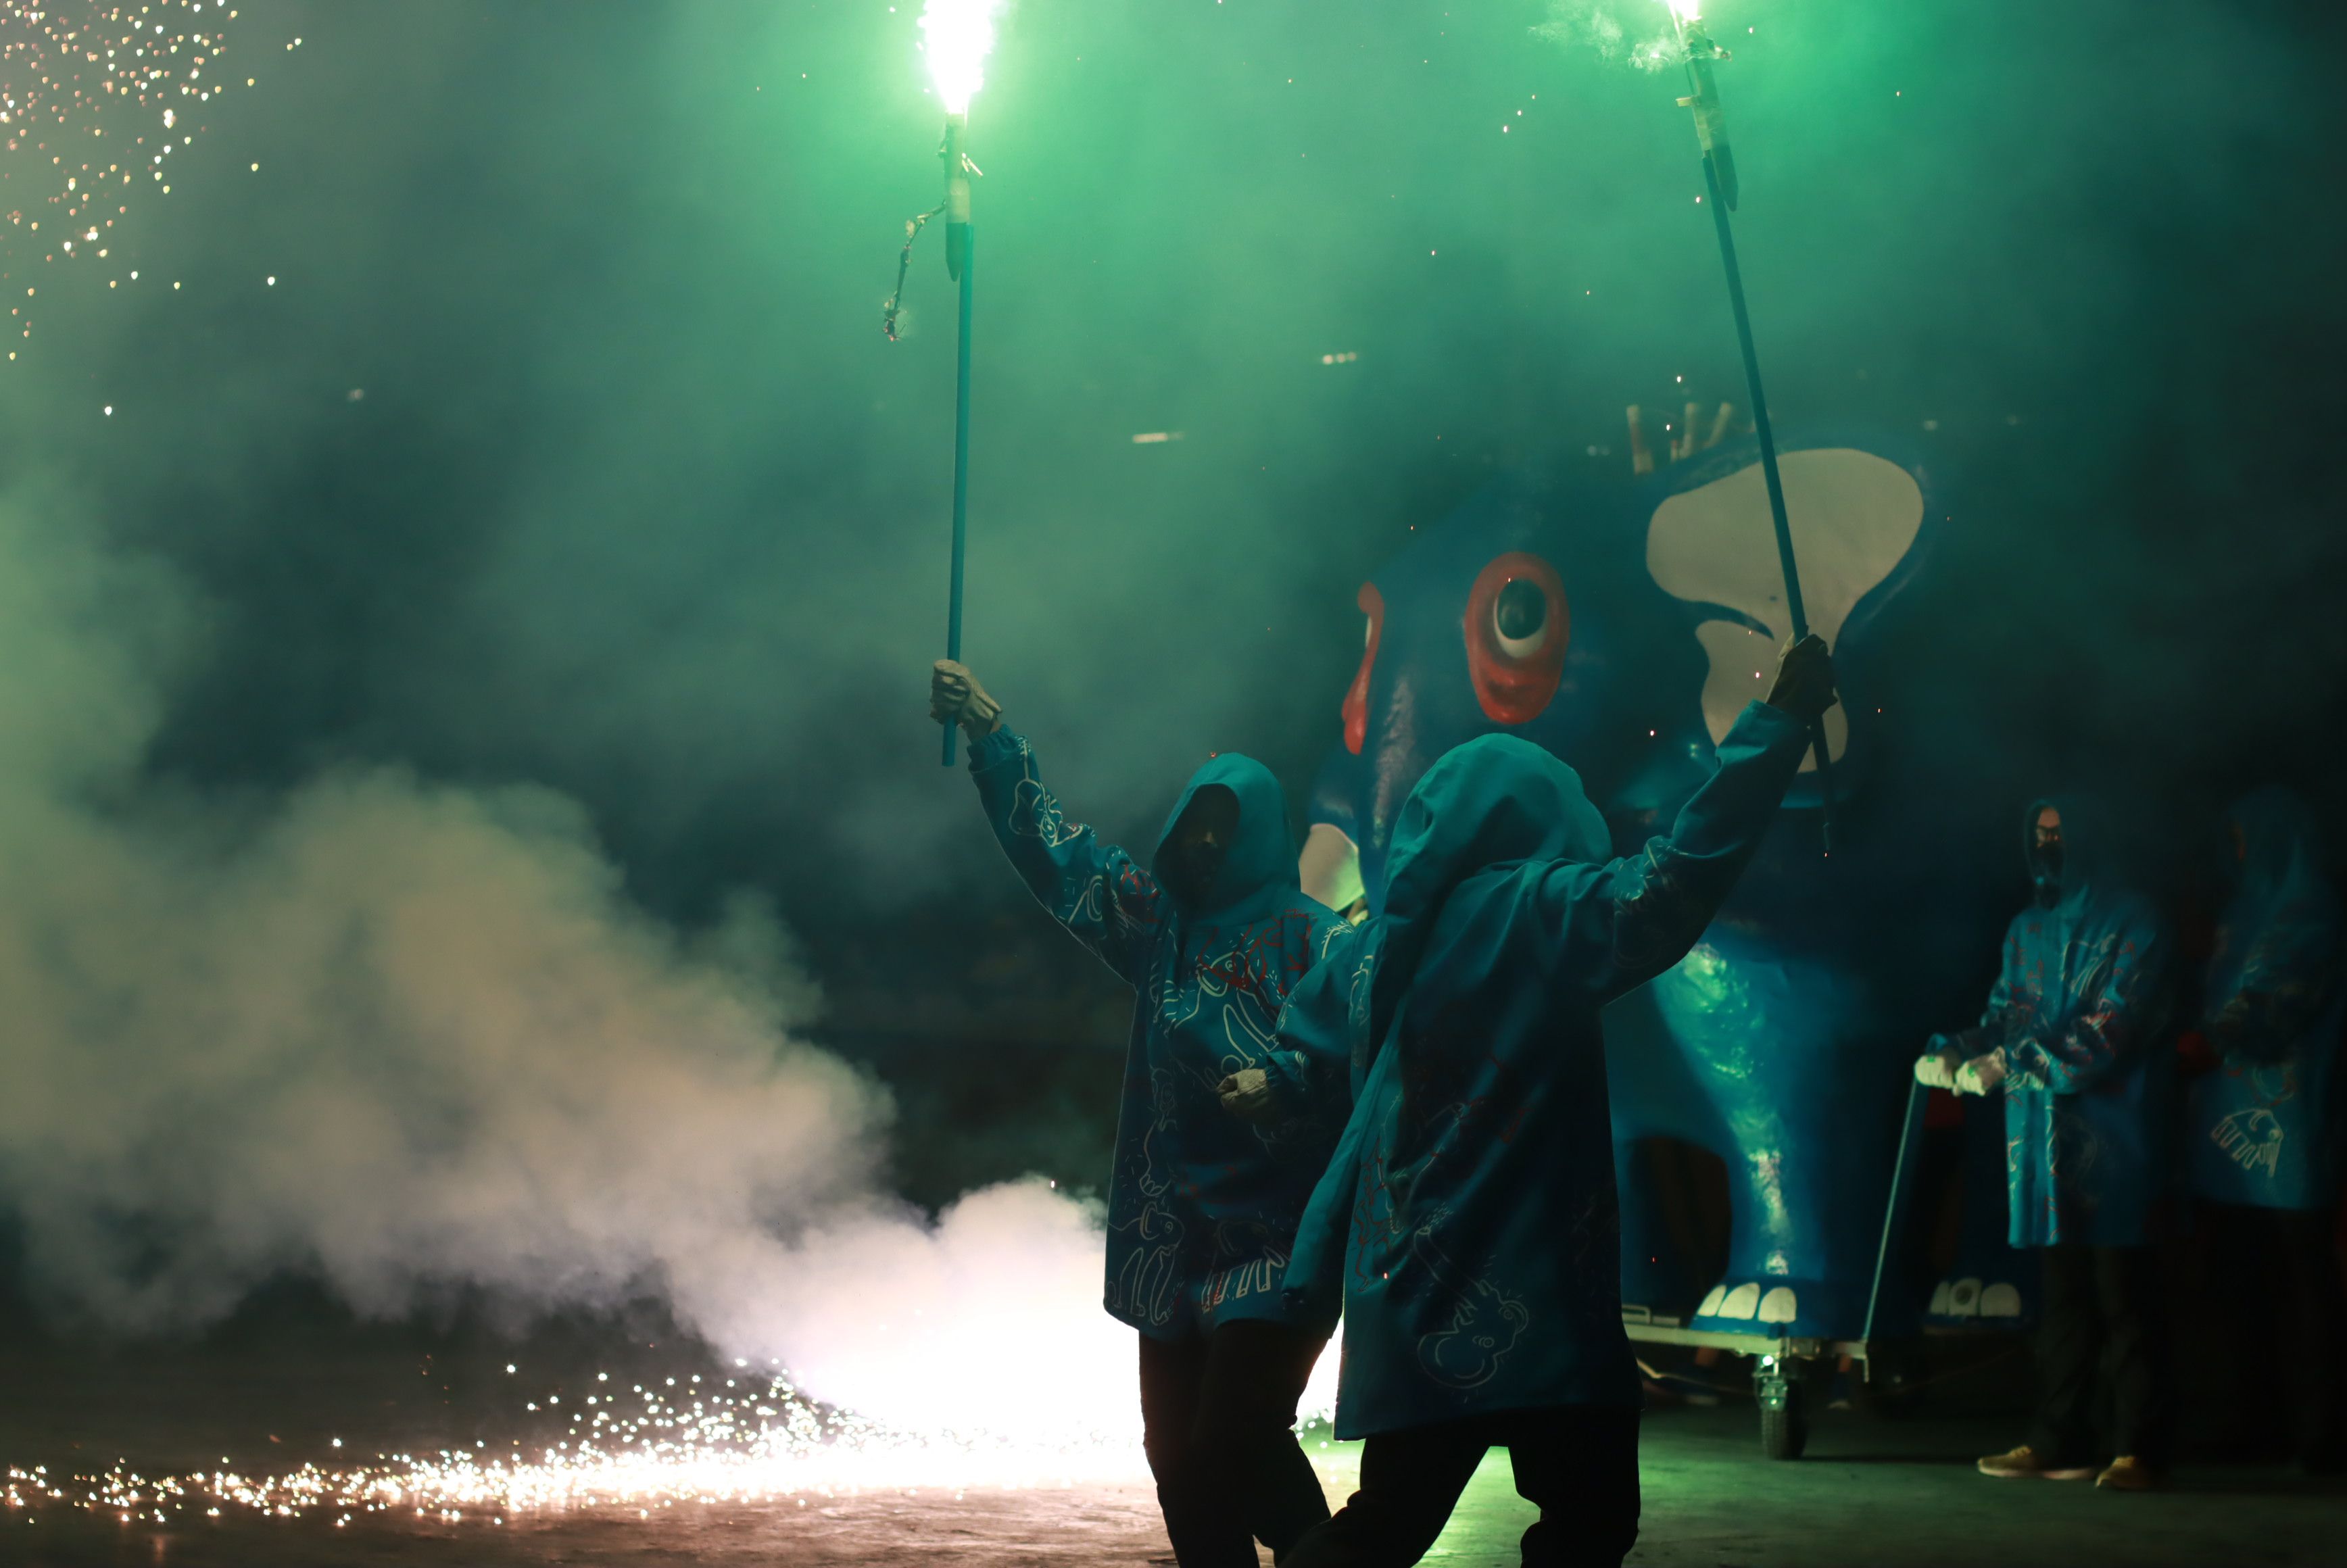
(1872,1492)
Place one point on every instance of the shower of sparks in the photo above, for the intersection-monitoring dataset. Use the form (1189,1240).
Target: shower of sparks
(750,1439)
(95,100)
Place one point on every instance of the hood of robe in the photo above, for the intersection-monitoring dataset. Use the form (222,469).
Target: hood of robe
(2282,839)
(1259,865)
(2278,881)
(2086,849)
(1495,801)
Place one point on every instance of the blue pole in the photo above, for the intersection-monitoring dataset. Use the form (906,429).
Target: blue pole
(961,469)
(1768,471)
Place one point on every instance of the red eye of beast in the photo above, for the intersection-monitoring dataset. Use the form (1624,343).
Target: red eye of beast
(1357,698)
(1518,625)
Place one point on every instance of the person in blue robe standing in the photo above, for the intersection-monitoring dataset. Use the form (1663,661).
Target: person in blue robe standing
(2262,1126)
(2074,1039)
(1220,1136)
(1468,1225)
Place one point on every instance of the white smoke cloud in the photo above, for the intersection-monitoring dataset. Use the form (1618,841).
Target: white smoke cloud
(407,1036)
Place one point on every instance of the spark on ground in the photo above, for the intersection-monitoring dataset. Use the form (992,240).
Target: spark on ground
(749,1439)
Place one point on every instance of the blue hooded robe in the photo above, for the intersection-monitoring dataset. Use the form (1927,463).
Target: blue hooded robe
(1202,1206)
(2079,1008)
(2263,1129)
(1468,1224)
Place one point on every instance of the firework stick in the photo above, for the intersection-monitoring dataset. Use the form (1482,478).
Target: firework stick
(1785,560)
(960,247)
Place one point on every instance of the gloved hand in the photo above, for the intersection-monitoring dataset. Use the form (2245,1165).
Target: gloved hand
(956,698)
(1982,1074)
(1804,686)
(1248,1095)
(1936,1068)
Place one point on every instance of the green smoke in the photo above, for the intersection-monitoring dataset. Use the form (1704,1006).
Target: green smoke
(639,504)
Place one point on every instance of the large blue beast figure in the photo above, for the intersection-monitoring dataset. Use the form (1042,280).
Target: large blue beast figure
(1621,625)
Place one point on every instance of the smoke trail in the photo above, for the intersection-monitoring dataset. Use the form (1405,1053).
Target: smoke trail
(402,1035)
(1635,34)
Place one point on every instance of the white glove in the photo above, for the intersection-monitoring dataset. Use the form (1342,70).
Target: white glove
(1982,1074)
(1937,1069)
(1248,1095)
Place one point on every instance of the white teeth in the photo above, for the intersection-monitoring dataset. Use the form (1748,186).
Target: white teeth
(1854,517)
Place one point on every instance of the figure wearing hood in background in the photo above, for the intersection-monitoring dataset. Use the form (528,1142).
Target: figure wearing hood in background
(2072,1037)
(2262,1129)
(1468,1225)
(1220,1137)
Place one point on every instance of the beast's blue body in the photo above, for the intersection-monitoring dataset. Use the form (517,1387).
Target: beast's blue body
(1782,1043)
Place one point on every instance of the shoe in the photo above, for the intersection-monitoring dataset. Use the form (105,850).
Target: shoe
(2026,1462)
(2128,1473)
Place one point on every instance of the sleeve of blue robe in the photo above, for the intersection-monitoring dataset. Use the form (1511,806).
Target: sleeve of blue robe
(1609,927)
(1326,1024)
(1316,1056)
(2106,1035)
(1105,898)
(1996,1019)
(1315,1282)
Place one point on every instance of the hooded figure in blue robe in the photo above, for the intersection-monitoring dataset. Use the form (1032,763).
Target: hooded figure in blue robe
(1468,1226)
(1202,1205)
(1203,1201)
(2074,1037)
(2263,1129)
(2073,1034)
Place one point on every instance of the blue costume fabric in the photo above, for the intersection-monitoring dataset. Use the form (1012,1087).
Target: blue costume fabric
(1468,1223)
(2078,1010)
(1202,1206)
(2263,1129)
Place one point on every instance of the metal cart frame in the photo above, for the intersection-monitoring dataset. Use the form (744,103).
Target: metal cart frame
(1778,1386)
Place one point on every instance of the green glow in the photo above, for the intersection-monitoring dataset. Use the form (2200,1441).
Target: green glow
(958,36)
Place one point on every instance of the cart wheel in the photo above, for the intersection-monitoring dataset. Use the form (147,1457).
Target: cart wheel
(1785,1433)
(1784,1410)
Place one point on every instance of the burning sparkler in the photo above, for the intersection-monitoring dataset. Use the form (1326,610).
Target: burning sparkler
(957,36)
(1719,181)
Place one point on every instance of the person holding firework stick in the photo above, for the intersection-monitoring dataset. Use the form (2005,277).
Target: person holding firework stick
(1221,1136)
(1468,1228)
